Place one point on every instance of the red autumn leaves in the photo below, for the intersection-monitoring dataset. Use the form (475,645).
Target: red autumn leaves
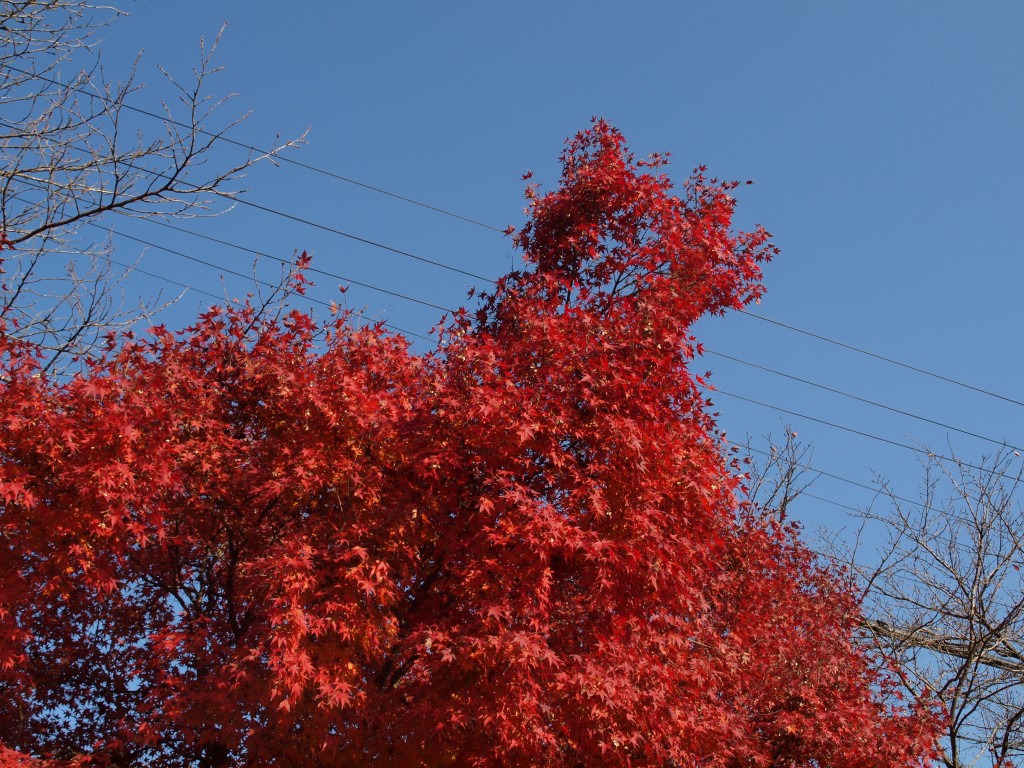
(253,543)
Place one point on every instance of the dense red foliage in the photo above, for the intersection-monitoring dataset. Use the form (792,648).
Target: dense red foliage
(248,545)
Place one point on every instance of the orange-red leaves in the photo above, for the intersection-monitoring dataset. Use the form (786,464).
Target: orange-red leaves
(242,545)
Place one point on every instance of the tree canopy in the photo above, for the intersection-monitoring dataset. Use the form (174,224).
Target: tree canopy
(263,542)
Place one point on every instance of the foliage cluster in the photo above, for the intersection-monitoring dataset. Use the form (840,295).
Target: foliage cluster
(262,542)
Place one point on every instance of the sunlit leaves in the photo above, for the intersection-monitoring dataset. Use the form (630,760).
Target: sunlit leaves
(274,543)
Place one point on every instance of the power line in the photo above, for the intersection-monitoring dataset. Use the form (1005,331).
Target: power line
(264,152)
(750,400)
(349,235)
(856,511)
(255,252)
(298,219)
(874,403)
(727,394)
(442,265)
(826,423)
(324,227)
(437,209)
(722,355)
(367,241)
(833,476)
(949,539)
(312,270)
(227,271)
(879,438)
(169,280)
(833,502)
(883,358)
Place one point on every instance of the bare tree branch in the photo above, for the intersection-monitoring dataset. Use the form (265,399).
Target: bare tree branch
(71,156)
(784,472)
(1005,658)
(948,601)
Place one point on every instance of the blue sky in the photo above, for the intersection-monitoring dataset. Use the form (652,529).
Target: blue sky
(884,140)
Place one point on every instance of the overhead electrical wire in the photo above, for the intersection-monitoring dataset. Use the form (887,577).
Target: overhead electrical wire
(833,502)
(876,489)
(718,354)
(330,174)
(895,443)
(879,490)
(883,358)
(210,294)
(879,438)
(257,253)
(357,238)
(717,391)
(740,397)
(263,152)
(442,265)
(707,351)
(220,268)
(253,278)
(169,280)
(711,352)
(948,540)
(311,270)
(267,209)
(864,400)
(237,199)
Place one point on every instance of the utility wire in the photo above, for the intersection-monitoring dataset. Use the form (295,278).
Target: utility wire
(264,152)
(446,212)
(883,358)
(349,235)
(442,265)
(833,476)
(833,502)
(750,400)
(859,511)
(883,406)
(253,278)
(298,219)
(948,539)
(860,567)
(227,271)
(711,352)
(311,270)
(331,174)
(171,281)
(879,438)
(255,252)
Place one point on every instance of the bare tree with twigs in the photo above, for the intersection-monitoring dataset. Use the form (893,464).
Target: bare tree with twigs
(942,585)
(945,596)
(71,154)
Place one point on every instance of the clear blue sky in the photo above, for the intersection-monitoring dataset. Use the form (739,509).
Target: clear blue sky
(885,139)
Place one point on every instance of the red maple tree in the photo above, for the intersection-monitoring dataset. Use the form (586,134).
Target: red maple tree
(262,543)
